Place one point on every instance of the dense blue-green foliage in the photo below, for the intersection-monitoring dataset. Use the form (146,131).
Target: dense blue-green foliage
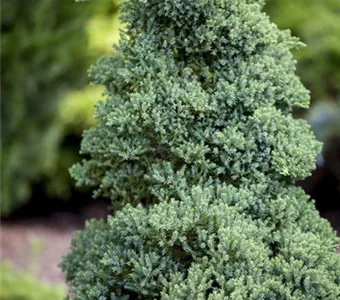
(197,128)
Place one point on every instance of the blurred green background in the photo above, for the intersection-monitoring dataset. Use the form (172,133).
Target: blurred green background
(46,100)
(46,48)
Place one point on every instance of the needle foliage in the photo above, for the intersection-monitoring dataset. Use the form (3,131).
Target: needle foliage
(197,138)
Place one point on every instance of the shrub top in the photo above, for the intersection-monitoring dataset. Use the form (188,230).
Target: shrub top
(203,88)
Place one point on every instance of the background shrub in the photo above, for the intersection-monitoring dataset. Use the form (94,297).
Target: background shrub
(35,72)
(317,23)
(23,285)
(45,44)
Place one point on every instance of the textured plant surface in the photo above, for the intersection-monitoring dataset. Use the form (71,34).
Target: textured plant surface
(197,130)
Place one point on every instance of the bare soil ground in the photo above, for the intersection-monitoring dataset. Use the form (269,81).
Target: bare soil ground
(40,242)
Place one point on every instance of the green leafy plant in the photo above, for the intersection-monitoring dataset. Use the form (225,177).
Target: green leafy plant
(44,45)
(318,25)
(196,136)
(36,71)
(23,285)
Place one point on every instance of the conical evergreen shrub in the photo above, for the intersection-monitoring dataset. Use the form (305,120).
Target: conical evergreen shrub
(197,136)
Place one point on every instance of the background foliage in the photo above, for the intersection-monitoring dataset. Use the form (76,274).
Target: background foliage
(317,23)
(23,285)
(35,72)
(47,45)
